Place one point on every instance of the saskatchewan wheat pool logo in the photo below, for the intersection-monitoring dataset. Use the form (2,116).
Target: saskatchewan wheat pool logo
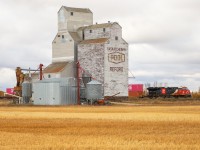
(116,57)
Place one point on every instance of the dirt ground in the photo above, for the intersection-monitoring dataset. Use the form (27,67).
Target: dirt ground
(99,127)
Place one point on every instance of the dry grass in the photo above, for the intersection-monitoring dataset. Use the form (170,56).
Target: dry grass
(166,101)
(6,102)
(153,127)
(196,95)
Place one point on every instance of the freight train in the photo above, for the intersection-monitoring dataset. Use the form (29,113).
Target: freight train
(168,92)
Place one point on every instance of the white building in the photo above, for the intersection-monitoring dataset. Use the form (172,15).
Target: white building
(99,48)
(69,20)
(104,53)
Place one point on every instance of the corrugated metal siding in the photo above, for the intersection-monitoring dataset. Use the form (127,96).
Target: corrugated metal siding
(82,93)
(68,95)
(55,92)
(94,90)
(27,89)
(68,91)
(53,98)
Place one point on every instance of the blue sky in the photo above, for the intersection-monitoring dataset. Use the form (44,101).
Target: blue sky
(163,36)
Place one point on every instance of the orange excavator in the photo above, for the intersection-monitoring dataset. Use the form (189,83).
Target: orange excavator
(20,79)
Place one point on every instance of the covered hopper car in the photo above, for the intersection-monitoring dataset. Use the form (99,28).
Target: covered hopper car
(167,92)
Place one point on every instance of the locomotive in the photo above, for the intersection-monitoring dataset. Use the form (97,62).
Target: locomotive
(168,92)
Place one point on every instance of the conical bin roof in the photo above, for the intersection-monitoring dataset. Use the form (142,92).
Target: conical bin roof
(94,82)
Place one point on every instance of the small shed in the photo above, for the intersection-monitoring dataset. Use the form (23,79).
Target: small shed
(60,91)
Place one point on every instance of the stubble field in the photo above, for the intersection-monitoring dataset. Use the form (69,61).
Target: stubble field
(110,127)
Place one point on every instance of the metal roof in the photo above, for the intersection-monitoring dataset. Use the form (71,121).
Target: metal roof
(84,10)
(101,40)
(95,26)
(75,36)
(55,67)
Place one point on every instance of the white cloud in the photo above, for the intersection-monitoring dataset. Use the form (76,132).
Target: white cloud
(163,35)
(7,78)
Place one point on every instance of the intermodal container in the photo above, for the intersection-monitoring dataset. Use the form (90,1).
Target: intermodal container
(135,87)
(10,90)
